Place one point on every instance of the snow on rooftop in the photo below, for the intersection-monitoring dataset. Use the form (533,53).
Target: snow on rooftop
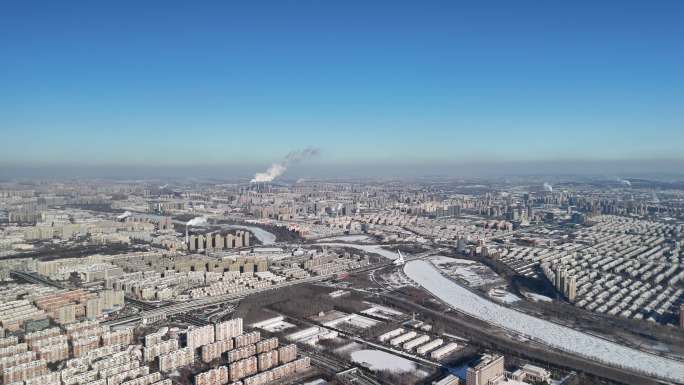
(379,360)
(554,335)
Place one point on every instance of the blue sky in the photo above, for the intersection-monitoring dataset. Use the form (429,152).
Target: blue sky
(368,82)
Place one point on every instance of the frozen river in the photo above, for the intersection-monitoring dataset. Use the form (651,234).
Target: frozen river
(367,248)
(557,336)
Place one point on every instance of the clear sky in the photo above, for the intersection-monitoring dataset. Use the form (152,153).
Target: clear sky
(373,82)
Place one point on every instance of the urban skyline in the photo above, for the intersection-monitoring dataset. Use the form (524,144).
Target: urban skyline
(342,193)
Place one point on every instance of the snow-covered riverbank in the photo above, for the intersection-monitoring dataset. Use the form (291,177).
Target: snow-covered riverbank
(557,336)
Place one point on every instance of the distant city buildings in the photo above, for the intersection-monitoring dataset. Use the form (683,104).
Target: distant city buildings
(105,283)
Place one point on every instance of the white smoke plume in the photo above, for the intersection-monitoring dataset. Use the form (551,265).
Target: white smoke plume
(197,221)
(124,215)
(277,169)
(548,187)
(624,182)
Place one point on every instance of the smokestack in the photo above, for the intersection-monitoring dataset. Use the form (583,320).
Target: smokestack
(187,239)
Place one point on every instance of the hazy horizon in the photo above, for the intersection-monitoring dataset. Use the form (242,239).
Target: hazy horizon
(494,187)
(656,169)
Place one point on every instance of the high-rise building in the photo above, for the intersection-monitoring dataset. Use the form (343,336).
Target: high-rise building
(94,308)
(247,339)
(113,298)
(572,288)
(198,336)
(489,368)
(66,314)
(228,329)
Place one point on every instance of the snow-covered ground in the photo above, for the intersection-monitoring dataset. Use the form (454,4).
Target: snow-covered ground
(278,326)
(379,360)
(382,312)
(397,280)
(554,335)
(440,260)
(354,319)
(537,297)
(318,381)
(352,346)
(367,248)
(501,295)
(474,273)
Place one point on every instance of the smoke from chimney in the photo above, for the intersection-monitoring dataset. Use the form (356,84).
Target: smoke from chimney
(124,215)
(548,187)
(277,169)
(197,221)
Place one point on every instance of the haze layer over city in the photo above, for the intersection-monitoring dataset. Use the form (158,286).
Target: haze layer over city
(312,193)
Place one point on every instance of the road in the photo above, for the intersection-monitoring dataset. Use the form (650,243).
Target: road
(35,278)
(474,329)
(178,308)
(189,306)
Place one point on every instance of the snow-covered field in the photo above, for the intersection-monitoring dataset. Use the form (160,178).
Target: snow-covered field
(557,336)
(379,360)
(474,273)
(397,280)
